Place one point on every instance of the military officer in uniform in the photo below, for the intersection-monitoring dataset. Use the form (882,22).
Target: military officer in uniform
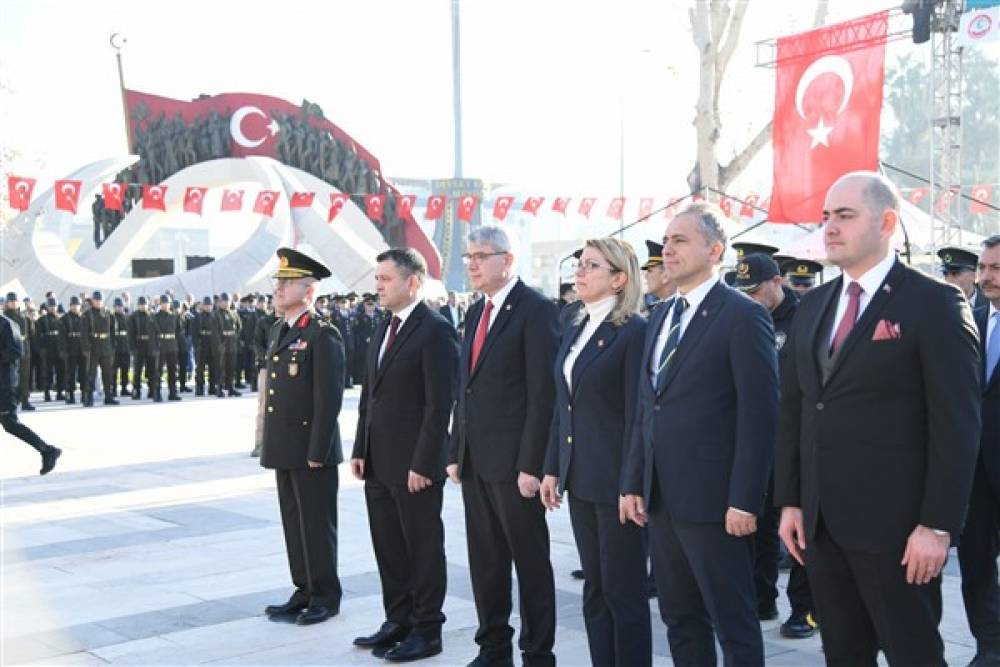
(53,348)
(365,324)
(122,358)
(341,317)
(229,328)
(301,443)
(207,336)
(144,344)
(77,336)
(958,267)
(25,330)
(168,333)
(182,344)
(658,286)
(245,375)
(800,274)
(102,353)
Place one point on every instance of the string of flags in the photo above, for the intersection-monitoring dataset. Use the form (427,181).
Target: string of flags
(153,197)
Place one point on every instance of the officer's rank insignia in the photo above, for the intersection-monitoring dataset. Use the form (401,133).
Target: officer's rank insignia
(742,270)
(298,345)
(779,339)
(293,369)
(600,343)
(947,258)
(283,263)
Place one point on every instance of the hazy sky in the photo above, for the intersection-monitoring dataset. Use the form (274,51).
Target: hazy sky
(544,82)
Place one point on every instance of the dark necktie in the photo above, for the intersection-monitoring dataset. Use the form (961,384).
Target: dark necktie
(847,322)
(481,331)
(393,330)
(673,336)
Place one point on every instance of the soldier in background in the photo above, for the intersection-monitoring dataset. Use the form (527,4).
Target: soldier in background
(800,274)
(366,322)
(246,374)
(144,344)
(229,328)
(182,344)
(341,317)
(168,332)
(77,345)
(25,329)
(102,353)
(36,345)
(207,338)
(53,349)
(122,359)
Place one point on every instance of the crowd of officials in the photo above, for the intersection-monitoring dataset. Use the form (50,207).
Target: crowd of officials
(856,422)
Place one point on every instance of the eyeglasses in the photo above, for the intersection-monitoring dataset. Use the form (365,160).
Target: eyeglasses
(589,266)
(479,257)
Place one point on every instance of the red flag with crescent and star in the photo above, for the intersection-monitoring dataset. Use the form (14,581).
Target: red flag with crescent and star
(67,194)
(194,199)
(467,207)
(502,206)
(337,201)
(264,204)
(114,195)
(232,200)
(152,197)
(374,205)
(645,207)
(586,204)
(435,207)
(404,206)
(532,204)
(827,102)
(560,204)
(746,210)
(982,195)
(19,189)
(918,195)
(616,208)
(301,199)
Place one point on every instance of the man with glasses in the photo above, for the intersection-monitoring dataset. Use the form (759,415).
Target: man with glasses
(301,443)
(958,267)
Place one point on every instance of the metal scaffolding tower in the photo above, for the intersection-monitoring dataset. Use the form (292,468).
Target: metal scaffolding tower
(946,125)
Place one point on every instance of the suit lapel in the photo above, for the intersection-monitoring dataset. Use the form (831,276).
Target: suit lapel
(599,342)
(700,321)
(376,346)
(876,305)
(652,334)
(292,335)
(982,317)
(567,342)
(411,323)
(817,331)
(503,317)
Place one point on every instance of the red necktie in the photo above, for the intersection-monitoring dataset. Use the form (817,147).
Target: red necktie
(854,292)
(481,331)
(393,328)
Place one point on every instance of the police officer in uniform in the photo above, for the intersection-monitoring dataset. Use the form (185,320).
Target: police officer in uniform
(77,344)
(301,442)
(800,274)
(759,277)
(145,345)
(168,332)
(958,267)
(229,328)
(122,358)
(25,330)
(52,345)
(102,352)
(207,336)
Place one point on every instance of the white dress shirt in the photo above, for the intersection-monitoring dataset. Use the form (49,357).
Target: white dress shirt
(402,315)
(498,300)
(871,281)
(290,321)
(992,322)
(694,299)
(597,312)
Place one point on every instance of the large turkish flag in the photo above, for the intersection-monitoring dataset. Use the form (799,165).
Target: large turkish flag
(826,112)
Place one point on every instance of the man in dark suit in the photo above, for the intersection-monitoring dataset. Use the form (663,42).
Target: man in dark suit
(402,441)
(701,451)
(980,543)
(879,431)
(454,313)
(500,431)
(301,443)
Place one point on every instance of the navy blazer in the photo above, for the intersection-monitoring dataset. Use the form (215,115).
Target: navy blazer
(707,430)
(592,424)
(989,441)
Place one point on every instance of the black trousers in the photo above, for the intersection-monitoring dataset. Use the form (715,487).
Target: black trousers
(206,360)
(103,359)
(977,558)
(504,528)
(76,371)
(227,365)
(11,424)
(53,371)
(167,358)
(144,362)
(615,606)
(308,502)
(120,369)
(248,366)
(408,538)
(865,604)
(704,582)
(767,551)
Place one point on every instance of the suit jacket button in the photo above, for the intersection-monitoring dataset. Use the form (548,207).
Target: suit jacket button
(569,439)
(274,358)
(656,408)
(274,375)
(270,392)
(569,408)
(270,408)
(305,422)
(819,406)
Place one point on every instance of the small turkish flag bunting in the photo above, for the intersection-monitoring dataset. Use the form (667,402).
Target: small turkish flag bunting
(264,204)
(918,195)
(645,207)
(727,206)
(194,199)
(337,201)
(404,206)
(467,207)
(532,204)
(152,197)
(944,201)
(67,194)
(501,206)
(671,207)
(19,189)
(232,200)
(435,207)
(560,204)
(616,208)
(746,210)
(374,205)
(302,199)
(114,195)
(586,204)
(982,194)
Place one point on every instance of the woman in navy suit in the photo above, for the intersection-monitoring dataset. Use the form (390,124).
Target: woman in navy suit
(597,374)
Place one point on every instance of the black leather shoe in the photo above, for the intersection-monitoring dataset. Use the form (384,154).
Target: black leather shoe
(315,614)
(173,397)
(59,396)
(293,606)
(233,392)
(220,393)
(48,397)
(380,651)
(27,407)
(412,648)
(986,658)
(49,460)
(798,626)
(388,635)
(108,400)
(200,391)
(488,660)
(157,397)
(185,389)
(767,613)
(136,395)
(577,574)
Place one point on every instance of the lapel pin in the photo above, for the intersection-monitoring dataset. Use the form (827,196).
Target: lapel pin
(887,289)
(507,307)
(600,343)
(704,313)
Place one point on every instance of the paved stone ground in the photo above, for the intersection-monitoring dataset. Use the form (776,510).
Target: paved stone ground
(158,541)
